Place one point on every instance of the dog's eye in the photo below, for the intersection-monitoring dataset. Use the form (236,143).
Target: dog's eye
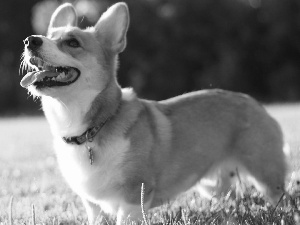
(73,43)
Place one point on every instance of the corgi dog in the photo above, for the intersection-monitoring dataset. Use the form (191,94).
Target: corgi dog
(108,141)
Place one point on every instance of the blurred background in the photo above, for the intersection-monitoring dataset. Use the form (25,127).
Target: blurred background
(174,46)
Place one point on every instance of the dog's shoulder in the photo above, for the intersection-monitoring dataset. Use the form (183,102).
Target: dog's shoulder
(140,116)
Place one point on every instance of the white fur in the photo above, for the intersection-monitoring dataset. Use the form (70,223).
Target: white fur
(88,181)
(66,117)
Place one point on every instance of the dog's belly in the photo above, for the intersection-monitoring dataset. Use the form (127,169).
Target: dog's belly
(97,182)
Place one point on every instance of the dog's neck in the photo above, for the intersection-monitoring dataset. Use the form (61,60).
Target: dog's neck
(105,105)
(72,117)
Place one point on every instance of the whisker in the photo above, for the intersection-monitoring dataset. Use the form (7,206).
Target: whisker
(21,67)
(25,65)
(22,56)
(21,64)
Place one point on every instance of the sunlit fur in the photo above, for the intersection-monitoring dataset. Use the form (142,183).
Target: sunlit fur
(229,178)
(168,145)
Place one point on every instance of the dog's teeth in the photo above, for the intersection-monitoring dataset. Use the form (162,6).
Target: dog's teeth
(59,77)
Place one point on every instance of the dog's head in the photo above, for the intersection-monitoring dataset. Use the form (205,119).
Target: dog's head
(70,60)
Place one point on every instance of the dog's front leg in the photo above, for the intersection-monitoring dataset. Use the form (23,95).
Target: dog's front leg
(92,211)
(132,212)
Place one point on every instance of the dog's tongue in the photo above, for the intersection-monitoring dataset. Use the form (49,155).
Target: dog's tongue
(28,79)
(34,76)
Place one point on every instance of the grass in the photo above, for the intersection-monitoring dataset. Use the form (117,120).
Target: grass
(29,173)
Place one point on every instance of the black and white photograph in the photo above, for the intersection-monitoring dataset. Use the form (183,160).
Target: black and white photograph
(150,112)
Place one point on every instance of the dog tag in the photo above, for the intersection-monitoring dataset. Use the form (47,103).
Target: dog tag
(89,139)
(91,156)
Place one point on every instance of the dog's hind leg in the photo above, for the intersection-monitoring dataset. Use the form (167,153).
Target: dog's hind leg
(260,150)
(270,179)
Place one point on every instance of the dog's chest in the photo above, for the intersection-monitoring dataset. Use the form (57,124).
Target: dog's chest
(96,181)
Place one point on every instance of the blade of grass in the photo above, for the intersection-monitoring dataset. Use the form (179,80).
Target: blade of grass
(277,203)
(33,214)
(10,216)
(142,204)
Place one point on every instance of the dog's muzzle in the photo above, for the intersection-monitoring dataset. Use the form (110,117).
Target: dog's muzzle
(42,73)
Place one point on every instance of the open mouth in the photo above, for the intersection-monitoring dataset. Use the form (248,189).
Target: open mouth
(46,75)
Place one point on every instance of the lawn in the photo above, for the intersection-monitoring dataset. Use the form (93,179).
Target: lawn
(28,172)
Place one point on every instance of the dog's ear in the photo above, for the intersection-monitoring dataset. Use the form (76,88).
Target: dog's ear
(112,27)
(64,15)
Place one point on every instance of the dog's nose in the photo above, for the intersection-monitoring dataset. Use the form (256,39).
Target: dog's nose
(33,42)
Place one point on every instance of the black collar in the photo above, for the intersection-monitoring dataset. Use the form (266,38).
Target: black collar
(88,135)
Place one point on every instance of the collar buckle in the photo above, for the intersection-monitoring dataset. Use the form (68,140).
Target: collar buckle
(86,136)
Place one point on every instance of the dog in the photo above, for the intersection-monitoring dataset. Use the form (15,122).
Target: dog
(108,141)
